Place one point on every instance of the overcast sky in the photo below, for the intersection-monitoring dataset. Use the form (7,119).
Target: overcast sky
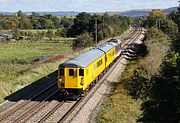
(83,5)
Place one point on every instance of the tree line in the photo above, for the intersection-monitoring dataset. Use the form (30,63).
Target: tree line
(160,90)
(20,20)
(84,27)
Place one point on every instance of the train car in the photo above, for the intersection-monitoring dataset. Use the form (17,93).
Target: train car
(76,75)
(109,51)
(117,44)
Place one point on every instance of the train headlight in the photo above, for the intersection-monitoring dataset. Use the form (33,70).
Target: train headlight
(60,79)
(82,81)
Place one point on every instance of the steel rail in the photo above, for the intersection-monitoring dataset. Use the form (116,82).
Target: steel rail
(24,103)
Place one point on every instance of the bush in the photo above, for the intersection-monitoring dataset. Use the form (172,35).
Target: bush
(83,41)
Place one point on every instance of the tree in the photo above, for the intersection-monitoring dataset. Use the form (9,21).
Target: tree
(81,24)
(66,22)
(61,32)
(169,27)
(49,34)
(155,17)
(163,102)
(83,41)
(20,13)
(56,22)
(35,20)
(46,23)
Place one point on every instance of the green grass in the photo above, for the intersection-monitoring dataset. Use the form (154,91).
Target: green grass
(26,51)
(119,107)
(17,63)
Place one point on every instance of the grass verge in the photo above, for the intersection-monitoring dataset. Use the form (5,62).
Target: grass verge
(119,107)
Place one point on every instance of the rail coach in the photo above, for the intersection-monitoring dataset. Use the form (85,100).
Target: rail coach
(76,75)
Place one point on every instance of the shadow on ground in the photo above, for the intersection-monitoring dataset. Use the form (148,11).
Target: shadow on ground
(27,92)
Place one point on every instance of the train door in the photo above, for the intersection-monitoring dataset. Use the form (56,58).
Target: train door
(71,78)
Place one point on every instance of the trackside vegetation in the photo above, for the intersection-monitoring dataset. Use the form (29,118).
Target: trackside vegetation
(123,105)
(154,80)
(119,107)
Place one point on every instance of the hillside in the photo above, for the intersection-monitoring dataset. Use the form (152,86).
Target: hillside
(145,12)
(130,13)
(58,13)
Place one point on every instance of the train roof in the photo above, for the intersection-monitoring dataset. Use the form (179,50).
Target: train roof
(86,58)
(113,43)
(115,40)
(83,59)
(105,47)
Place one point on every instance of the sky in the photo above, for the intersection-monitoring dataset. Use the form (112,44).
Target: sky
(83,5)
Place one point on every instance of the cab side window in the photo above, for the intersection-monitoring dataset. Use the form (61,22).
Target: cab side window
(81,72)
(71,72)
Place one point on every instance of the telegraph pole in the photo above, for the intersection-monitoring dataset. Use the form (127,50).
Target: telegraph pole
(103,22)
(158,23)
(96,31)
(103,26)
(179,6)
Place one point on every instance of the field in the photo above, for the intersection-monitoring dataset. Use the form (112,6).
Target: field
(38,30)
(17,63)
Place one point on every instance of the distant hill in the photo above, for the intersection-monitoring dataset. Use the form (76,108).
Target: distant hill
(131,13)
(59,13)
(6,13)
(136,13)
(169,10)
(145,12)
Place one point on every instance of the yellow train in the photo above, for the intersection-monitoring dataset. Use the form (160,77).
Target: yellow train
(76,75)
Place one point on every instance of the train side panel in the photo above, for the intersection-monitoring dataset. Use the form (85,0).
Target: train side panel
(110,56)
(93,70)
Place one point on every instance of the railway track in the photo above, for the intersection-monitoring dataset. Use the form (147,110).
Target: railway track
(66,114)
(134,38)
(23,103)
(27,115)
